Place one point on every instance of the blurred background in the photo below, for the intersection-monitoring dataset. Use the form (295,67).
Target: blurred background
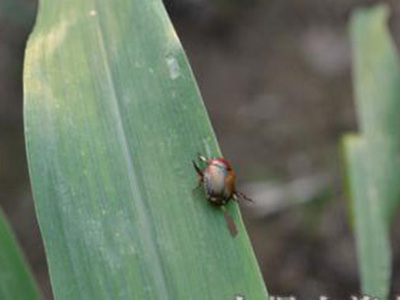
(276,80)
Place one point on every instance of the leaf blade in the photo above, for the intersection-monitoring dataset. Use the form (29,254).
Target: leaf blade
(111,169)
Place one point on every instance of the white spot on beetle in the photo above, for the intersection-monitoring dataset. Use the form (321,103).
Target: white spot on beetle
(92,13)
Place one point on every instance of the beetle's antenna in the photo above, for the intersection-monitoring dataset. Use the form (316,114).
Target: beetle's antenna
(243,196)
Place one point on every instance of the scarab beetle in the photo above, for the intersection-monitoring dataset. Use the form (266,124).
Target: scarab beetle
(218,179)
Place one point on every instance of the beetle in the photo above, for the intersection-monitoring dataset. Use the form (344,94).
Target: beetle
(219,181)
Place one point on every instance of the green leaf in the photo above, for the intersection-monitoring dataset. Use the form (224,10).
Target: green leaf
(16,281)
(113,119)
(373,156)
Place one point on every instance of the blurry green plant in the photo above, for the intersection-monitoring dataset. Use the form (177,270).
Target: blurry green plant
(372,156)
(16,281)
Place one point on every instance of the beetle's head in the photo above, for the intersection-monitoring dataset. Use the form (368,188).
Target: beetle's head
(221,163)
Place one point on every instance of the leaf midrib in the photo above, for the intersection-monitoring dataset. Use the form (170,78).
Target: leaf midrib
(148,228)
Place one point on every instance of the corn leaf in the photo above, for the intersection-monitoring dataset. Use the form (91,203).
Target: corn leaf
(113,119)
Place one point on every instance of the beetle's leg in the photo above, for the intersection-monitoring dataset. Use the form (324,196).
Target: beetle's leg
(201,175)
(235,197)
(242,196)
(196,167)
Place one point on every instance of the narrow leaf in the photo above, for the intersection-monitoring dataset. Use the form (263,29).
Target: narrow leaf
(373,156)
(16,281)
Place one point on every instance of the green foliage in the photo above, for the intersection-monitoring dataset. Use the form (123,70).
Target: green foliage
(113,118)
(372,156)
(16,281)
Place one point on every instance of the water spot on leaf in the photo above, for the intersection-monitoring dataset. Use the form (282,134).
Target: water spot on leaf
(173,68)
(93,13)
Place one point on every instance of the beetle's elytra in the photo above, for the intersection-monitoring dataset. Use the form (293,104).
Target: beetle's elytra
(218,179)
